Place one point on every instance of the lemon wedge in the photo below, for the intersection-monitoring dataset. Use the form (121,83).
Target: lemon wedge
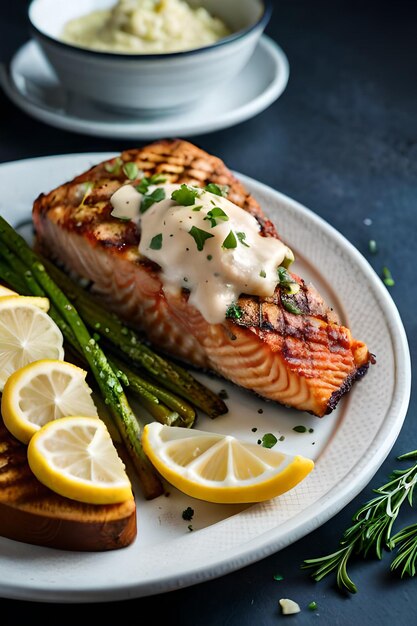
(221,468)
(75,457)
(27,334)
(43,391)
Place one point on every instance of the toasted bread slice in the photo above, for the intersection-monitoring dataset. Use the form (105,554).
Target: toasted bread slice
(32,513)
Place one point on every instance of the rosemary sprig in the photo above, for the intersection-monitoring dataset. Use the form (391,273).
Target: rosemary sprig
(371,531)
(407,552)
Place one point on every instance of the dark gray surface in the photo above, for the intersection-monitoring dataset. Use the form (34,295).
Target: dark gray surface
(342,140)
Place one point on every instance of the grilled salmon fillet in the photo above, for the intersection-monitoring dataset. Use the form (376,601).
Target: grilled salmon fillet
(306,360)
(32,513)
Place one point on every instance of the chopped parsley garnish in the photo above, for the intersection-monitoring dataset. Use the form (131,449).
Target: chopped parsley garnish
(278,577)
(282,438)
(269,440)
(242,236)
(387,277)
(130,170)
(312,606)
(114,166)
(199,236)
(209,257)
(372,246)
(156,242)
(149,199)
(190,528)
(300,429)
(262,274)
(88,187)
(230,241)
(157,179)
(289,304)
(197,208)
(218,190)
(216,214)
(286,281)
(284,276)
(234,312)
(188,514)
(145,183)
(185,195)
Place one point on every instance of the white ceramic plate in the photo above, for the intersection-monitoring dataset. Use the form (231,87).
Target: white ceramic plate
(32,85)
(349,445)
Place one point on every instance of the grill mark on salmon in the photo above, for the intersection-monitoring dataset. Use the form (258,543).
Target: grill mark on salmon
(305,361)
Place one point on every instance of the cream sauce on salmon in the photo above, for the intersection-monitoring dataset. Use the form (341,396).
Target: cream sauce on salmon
(203,242)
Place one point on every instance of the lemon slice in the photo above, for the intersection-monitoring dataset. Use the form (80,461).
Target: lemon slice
(75,457)
(27,334)
(221,468)
(43,391)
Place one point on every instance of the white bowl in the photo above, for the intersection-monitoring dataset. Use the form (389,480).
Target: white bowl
(148,83)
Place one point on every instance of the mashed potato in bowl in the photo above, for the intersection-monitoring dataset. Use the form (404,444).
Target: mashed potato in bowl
(145,27)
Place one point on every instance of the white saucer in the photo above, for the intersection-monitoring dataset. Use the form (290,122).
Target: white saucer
(32,85)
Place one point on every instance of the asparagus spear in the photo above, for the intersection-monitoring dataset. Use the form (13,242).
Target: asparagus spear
(130,343)
(185,414)
(14,281)
(105,377)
